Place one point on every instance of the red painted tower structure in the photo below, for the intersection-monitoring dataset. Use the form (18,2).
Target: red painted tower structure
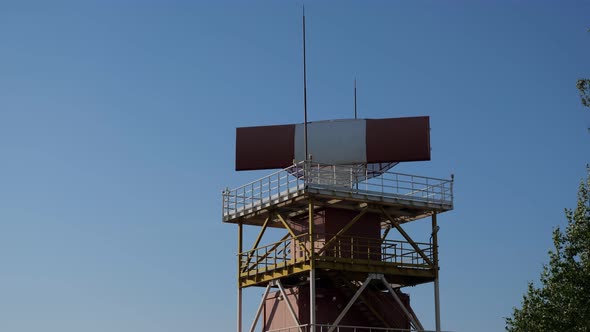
(337,268)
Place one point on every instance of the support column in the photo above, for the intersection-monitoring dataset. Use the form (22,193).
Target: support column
(259,310)
(435,258)
(312,290)
(240,240)
(239,309)
(417,325)
(312,318)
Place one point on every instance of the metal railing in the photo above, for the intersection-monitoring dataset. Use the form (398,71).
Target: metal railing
(354,248)
(387,183)
(337,178)
(273,256)
(343,328)
(331,248)
(282,183)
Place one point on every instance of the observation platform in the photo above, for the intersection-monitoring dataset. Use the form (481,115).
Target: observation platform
(351,256)
(405,197)
(285,199)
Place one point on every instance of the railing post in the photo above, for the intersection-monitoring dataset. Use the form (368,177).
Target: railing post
(240,241)
(288,184)
(334,174)
(318,171)
(435,261)
(223,206)
(305,174)
(266,260)
(259,190)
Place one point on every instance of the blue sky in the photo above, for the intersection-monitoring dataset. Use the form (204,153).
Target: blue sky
(117,136)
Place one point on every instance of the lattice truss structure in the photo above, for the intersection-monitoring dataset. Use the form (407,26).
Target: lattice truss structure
(337,267)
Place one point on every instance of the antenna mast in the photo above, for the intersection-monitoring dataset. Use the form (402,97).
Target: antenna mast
(304,90)
(355,97)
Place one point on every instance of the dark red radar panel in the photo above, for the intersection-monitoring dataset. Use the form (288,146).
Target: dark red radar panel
(334,142)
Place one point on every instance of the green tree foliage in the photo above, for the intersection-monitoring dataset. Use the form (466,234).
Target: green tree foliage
(562,302)
(583,86)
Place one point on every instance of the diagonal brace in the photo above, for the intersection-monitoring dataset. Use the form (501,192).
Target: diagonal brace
(351,302)
(282,290)
(416,323)
(406,236)
(255,245)
(270,251)
(368,304)
(259,311)
(290,230)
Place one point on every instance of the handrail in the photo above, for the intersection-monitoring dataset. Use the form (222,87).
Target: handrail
(341,248)
(306,175)
(271,256)
(323,165)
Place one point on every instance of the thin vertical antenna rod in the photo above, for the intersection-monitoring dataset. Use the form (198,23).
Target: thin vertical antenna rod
(304,90)
(355,97)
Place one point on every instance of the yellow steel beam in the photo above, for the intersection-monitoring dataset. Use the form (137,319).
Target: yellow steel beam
(258,238)
(344,229)
(265,277)
(271,250)
(364,266)
(372,262)
(261,233)
(406,236)
(292,233)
